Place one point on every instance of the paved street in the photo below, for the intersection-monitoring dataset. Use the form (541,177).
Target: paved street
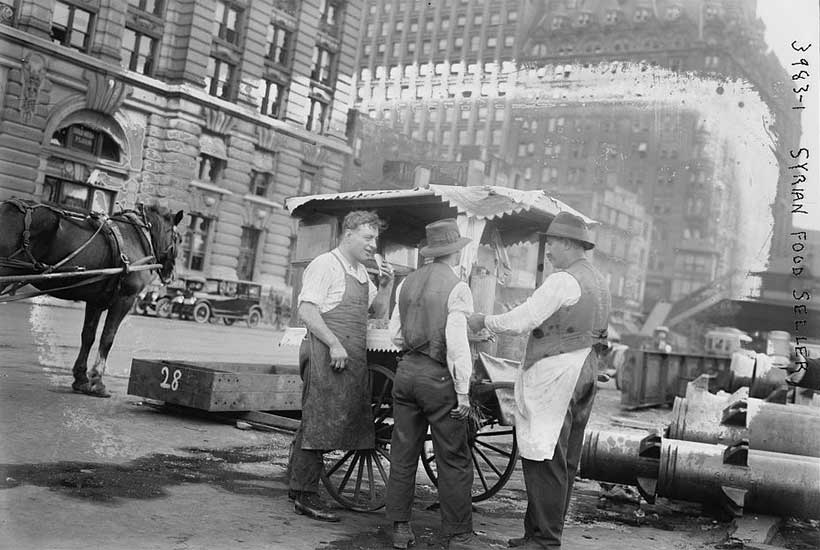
(80,472)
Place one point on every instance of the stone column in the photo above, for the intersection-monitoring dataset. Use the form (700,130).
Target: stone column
(110,23)
(35,17)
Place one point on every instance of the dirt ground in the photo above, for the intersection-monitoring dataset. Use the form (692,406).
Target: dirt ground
(78,472)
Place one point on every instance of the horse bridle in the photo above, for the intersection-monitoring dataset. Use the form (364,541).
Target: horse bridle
(170,250)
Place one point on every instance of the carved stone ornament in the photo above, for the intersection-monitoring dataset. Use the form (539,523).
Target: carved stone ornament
(314,155)
(6,14)
(105,94)
(33,72)
(269,139)
(216,121)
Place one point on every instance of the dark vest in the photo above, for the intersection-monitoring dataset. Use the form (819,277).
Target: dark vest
(423,309)
(577,326)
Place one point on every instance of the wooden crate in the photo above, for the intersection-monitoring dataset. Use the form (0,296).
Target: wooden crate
(218,386)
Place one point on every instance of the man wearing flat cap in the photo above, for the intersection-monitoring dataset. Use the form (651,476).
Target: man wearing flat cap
(567,318)
(431,388)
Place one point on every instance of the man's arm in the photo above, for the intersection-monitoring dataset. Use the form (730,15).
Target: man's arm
(380,305)
(312,317)
(459,357)
(558,290)
(394,327)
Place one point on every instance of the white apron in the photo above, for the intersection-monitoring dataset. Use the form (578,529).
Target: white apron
(542,395)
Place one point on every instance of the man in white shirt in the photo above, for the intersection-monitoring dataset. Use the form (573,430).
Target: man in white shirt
(431,388)
(333,303)
(567,317)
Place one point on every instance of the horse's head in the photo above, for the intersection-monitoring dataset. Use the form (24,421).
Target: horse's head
(162,226)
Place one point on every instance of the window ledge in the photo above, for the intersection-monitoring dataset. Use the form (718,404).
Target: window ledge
(259,200)
(209,187)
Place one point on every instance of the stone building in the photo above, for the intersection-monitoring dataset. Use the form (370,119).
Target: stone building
(220,107)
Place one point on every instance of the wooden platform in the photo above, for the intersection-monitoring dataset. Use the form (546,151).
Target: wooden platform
(217,386)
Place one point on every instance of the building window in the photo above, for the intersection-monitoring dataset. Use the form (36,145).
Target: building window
(87,140)
(426,47)
(317,115)
(411,48)
(584,19)
(226,22)
(195,243)
(429,24)
(612,17)
(219,78)
(71,26)
(672,13)
(475,43)
(150,6)
(246,260)
(445,24)
(509,41)
(478,20)
(307,183)
(557,23)
(492,42)
(279,41)
(495,18)
(442,44)
(79,196)
(461,20)
(512,16)
(642,15)
(210,168)
(138,51)
(260,183)
(322,64)
(274,98)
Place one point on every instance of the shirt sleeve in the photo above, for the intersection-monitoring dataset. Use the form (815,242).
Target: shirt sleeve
(558,290)
(395,321)
(459,357)
(371,291)
(317,280)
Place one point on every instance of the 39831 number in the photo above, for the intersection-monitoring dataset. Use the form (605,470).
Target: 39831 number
(175,378)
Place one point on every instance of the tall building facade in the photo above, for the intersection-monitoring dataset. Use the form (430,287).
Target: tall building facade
(510,101)
(219,107)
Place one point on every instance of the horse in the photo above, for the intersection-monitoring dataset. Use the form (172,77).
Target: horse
(40,238)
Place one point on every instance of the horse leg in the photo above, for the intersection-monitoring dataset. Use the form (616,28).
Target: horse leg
(116,313)
(92,320)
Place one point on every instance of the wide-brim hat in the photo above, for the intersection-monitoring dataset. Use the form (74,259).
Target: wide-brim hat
(570,226)
(443,238)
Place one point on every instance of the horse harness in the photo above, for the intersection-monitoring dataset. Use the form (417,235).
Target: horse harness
(104,224)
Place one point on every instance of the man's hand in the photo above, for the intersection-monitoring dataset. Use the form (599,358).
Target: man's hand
(462,408)
(476,322)
(338,357)
(386,273)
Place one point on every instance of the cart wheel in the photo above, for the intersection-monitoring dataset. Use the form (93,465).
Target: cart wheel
(202,312)
(164,308)
(495,451)
(358,479)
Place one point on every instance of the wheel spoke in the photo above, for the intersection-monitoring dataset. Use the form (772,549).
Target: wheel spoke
(370,476)
(494,448)
(347,475)
(480,473)
(358,479)
(339,463)
(382,471)
(488,461)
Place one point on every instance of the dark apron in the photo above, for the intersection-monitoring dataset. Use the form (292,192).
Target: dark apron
(336,411)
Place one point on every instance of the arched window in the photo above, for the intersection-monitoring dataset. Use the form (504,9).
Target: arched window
(73,182)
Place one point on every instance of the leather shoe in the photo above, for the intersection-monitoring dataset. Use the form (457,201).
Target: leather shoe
(520,541)
(403,536)
(310,505)
(466,541)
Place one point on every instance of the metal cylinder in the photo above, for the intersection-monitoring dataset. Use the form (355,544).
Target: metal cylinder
(629,458)
(709,418)
(740,479)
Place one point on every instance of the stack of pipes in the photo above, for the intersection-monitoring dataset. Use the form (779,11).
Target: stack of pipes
(741,452)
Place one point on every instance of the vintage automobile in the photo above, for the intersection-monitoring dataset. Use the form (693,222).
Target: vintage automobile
(157,299)
(222,299)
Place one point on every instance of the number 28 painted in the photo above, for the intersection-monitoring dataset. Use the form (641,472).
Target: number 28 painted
(174,385)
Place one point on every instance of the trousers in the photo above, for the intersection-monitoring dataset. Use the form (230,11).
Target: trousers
(424,395)
(304,466)
(549,482)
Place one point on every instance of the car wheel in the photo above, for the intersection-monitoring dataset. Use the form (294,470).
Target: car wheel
(164,308)
(202,312)
(139,308)
(254,318)
(228,321)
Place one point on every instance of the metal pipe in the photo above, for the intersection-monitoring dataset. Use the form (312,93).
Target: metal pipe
(740,479)
(625,458)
